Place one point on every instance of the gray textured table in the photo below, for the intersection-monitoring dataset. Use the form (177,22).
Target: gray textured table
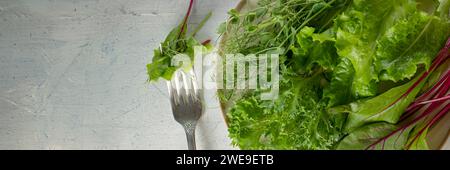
(73,75)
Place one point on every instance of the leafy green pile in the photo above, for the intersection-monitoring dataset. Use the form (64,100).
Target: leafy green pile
(177,42)
(342,62)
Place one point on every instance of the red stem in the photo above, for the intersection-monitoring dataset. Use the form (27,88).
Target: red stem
(206,42)
(435,100)
(437,117)
(441,88)
(186,18)
(425,98)
(433,90)
(423,114)
(442,56)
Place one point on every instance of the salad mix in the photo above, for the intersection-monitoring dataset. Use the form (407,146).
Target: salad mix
(354,74)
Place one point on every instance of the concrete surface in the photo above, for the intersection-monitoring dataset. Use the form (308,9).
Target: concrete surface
(73,75)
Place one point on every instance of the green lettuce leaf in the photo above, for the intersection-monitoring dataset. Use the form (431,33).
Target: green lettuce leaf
(444,8)
(338,92)
(421,142)
(364,137)
(378,108)
(387,40)
(176,42)
(414,40)
(313,49)
(357,31)
(296,120)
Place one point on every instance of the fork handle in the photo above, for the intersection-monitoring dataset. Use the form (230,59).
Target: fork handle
(190,135)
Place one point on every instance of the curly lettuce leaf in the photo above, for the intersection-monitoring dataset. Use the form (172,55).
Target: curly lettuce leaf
(412,41)
(387,40)
(296,120)
(357,31)
(313,49)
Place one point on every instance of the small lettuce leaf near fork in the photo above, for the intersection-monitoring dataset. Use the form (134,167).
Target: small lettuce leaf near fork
(177,42)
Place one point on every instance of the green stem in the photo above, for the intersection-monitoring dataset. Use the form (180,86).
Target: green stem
(202,23)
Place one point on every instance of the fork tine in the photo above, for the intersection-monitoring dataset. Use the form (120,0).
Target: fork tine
(173,87)
(178,82)
(172,94)
(194,89)
(170,88)
(186,81)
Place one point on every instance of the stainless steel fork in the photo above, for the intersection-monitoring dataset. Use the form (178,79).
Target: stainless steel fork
(185,98)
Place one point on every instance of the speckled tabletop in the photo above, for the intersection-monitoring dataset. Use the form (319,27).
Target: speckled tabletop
(73,75)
